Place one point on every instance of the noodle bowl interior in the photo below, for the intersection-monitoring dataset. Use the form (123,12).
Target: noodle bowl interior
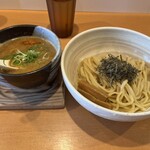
(27,53)
(117,82)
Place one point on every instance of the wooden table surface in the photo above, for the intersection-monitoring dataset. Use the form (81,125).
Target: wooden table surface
(72,128)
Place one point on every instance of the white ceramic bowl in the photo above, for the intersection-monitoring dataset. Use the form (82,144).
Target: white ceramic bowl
(95,41)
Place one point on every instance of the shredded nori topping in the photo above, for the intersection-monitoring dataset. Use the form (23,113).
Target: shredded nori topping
(115,69)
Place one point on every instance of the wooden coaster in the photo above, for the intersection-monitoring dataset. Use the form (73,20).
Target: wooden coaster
(47,96)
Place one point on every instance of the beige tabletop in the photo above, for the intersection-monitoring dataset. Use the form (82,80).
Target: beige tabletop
(73,127)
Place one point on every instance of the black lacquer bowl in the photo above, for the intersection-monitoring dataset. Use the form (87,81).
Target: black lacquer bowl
(42,75)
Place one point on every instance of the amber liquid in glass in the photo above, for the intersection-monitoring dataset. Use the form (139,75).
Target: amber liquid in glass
(61,15)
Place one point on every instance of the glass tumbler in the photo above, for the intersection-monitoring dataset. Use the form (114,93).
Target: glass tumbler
(61,14)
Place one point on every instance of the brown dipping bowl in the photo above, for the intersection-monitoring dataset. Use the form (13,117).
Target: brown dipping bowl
(41,75)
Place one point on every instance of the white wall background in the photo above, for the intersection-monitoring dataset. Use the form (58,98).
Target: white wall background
(141,6)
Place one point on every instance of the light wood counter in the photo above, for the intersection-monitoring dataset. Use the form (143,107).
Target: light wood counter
(72,128)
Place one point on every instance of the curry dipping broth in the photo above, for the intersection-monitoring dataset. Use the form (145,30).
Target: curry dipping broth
(28,53)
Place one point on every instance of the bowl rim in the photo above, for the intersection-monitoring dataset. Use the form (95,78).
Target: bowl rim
(57,55)
(74,90)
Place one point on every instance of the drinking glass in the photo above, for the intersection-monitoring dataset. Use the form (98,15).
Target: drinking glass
(61,15)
